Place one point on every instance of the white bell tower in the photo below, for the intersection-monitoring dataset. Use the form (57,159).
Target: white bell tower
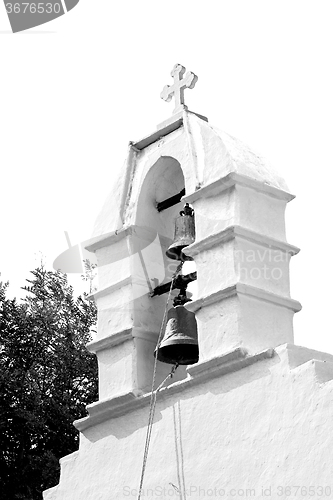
(247,413)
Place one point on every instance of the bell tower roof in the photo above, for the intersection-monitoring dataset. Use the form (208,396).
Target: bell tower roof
(213,155)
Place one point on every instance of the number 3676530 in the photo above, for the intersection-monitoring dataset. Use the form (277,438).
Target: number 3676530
(33,8)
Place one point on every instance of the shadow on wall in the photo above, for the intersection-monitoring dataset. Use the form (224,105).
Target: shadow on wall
(121,427)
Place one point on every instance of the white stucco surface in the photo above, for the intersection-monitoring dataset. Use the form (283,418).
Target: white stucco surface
(266,427)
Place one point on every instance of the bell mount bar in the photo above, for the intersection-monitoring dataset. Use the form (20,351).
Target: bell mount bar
(170,202)
(180,283)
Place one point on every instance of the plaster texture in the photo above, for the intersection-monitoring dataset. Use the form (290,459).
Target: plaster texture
(259,429)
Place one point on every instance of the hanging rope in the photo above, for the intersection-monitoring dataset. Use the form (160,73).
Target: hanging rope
(181,450)
(154,392)
(179,489)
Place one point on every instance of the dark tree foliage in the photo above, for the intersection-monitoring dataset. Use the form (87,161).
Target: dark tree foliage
(47,377)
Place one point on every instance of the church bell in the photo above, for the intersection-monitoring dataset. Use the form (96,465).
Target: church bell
(179,345)
(180,342)
(184,234)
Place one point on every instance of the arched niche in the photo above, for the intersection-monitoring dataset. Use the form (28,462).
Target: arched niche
(163,180)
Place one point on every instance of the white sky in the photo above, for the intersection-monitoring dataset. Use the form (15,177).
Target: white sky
(76,90)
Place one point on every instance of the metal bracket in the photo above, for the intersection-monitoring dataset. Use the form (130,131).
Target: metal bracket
(180,283)
(170,202)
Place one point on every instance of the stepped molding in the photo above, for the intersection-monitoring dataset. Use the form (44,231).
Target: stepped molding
(122,404)
(249,290)
(230,180)
(110,341)
(323,371)
(318,370)
(232,232)
(111,288)
(105,240)
(226,363)
(120,337)
(298,355)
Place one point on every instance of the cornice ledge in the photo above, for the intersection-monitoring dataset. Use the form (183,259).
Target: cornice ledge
(296,355)
(110,341)
(273,298)
(111,408)
(207,300)
(108,239)
(227,363)
(120,337)
(249,290)
(141,333)
(224,359)
(174,122)
(230,180)
(114,407)
(116,236)
(231,232)
(111,288)
(163,129)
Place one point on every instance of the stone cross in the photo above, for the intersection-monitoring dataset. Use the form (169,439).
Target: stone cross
(177,89)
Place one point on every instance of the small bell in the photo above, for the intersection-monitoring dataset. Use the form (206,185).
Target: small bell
(184,234)
(180,341)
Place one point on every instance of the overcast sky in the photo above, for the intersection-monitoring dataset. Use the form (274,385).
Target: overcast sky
(75,91)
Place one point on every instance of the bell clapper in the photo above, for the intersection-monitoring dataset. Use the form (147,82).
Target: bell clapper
(173,370)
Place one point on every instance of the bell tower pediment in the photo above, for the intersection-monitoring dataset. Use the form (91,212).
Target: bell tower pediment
(205,155)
